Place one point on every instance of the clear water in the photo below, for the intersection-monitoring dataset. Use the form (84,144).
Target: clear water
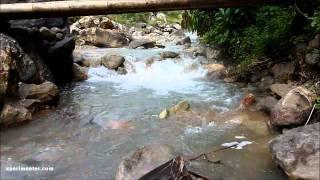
(99,121)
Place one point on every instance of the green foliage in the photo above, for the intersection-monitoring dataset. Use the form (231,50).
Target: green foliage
(249,34)
(318,103)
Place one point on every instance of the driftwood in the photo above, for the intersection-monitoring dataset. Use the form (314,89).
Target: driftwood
(176,169)
(97,7)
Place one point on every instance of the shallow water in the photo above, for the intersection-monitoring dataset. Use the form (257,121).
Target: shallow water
(99,121)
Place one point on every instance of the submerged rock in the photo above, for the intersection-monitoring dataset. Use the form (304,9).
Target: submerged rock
(112,61)
(45,92)
(297,152)
(293,108)
(142,161)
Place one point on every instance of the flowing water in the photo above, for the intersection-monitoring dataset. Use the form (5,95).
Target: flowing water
(99,121)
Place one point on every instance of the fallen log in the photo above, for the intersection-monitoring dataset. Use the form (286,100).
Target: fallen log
(98,7)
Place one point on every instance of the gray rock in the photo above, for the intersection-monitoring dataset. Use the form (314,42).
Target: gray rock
(45,92)
(184,41)
(294,108)
(59,36)
(56,30)
(297,152)
(313,57)
(267,103)
(112,61)
(283,72)
(142,161)
(280,89)
(79,73)
(47,34)
(109,39)
(169,54)
(142,43)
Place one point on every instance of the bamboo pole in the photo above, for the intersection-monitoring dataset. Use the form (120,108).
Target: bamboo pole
(98,7)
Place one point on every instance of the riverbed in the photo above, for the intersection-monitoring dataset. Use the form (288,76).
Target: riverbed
(100,121)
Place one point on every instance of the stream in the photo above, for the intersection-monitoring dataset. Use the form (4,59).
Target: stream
(100,121)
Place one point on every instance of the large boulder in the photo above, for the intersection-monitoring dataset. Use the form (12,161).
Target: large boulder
(14,112)
(112,61)
(215,71)
(283,72)
(297,152)
(294,108)
(142,43)
(142,161)
(280,89)
(45,92)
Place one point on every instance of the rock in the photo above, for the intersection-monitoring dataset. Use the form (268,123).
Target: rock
(150,60)
(122,71)
(231,79)
(47,34)
(142,161)
(164,114)
(79,73)
(215,71)
(142,43)
(141,25)
(297,152)
(212,53)
(183,41)
(45,92)
(313,57)
(280,89)
(180,107)
(176,26)
(265,83)
(293,109)
(169,54)
(178,34)
(315,43)
(267,103)
(112,61)
(109,39)
(56,30)
(13,113)
(64,46)
(59,36)
(283,72)
(106,24)
(247,101)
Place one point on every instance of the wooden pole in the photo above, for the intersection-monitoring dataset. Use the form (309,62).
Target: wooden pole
(98,7)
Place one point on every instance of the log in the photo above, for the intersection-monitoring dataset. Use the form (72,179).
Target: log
(99,7)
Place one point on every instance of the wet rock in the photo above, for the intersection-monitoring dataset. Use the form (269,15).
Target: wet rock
(45,92)
(283,72)
(183,41)
(180,107)
(231,79)
(212,53)
(215,71)
(280,89)
(122,71)
(267,103)
(297,152)
(294,108)
(142,161)
(13,112)
(110,39)
(79,73)
(313,57)
(247,101)
(265,83)
(169,54)
(150,60)
(177,26)
(112,61)
(47,34)
(56,30)
(59,36)
(146,44)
